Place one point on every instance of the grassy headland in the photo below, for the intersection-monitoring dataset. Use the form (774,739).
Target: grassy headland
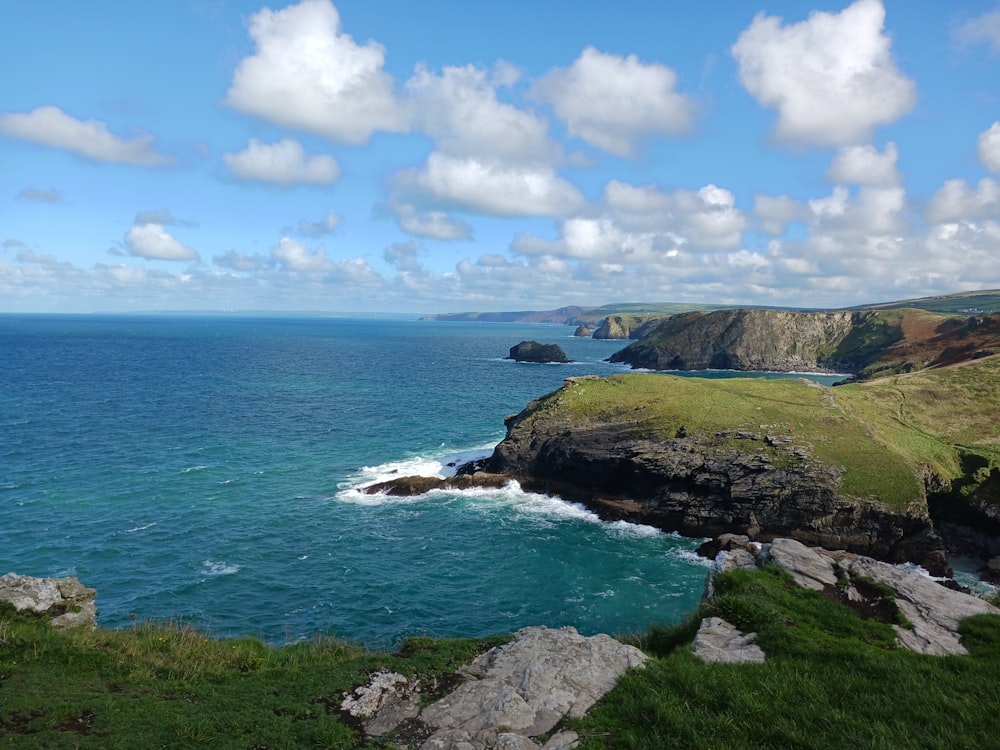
(884,433)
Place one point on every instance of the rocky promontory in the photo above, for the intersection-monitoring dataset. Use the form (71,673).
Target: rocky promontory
(903,468)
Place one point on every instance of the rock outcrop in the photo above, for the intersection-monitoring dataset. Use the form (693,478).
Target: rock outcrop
(718,641)
(509,695)
(864,343)
(931,612)
(532,351)
(704,484)
(66,601)
(582,331)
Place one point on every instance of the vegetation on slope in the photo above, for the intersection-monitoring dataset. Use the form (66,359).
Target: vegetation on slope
(831,680)
(173,687)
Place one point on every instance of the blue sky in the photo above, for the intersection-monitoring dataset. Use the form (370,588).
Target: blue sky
(390,156)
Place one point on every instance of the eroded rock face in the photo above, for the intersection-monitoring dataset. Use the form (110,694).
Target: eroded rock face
(70,603)
(744,340)
(706,485)
(627,326)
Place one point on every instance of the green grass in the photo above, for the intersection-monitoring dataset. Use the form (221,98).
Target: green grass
(831,680)
(169,686)
(882,433)
(664,406)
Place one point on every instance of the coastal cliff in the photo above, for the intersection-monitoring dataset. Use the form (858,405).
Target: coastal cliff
(899,468)
(705,457)
(863,343)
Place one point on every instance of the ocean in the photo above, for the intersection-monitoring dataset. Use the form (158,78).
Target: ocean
(206,470)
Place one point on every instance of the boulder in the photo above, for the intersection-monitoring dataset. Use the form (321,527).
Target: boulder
(532,351)
(65,600)
(718,641)
(526,687)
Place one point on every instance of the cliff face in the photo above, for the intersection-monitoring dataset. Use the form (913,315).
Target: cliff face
(745,340)
(627,326)
(864,343)
(704,483)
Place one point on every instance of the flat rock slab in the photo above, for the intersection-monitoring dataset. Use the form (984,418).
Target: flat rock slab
(718,641)
(526,687)
(70,602)
(808,566)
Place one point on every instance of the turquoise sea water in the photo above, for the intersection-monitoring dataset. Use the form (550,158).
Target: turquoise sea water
(207,469)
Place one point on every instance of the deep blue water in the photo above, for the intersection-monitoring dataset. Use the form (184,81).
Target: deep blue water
(206,469)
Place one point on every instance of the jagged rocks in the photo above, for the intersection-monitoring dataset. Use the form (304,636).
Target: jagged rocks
(70,603)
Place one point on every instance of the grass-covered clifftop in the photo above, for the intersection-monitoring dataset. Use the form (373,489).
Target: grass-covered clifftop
(883,433)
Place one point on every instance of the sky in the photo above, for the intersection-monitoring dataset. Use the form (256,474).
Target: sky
(449,156)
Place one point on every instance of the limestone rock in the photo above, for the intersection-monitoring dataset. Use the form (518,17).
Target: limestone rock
(718,641)
(932,610)
(734,559)
(532,351)
(527,687)
(70,603)
(384,702)
(808,567)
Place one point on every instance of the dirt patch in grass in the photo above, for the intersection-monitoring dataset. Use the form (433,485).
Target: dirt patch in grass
(872,604)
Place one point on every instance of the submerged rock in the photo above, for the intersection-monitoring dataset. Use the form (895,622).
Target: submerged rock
(67,601)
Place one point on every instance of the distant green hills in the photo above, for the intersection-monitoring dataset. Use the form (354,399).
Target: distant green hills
(984,301)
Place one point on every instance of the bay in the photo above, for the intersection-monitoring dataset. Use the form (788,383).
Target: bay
(206,469)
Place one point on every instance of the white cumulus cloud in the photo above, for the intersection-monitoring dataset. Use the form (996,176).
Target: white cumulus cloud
(989,147)
(492,187)
(295,256)
(460,110)
(958,201)
(283,163)
(865,165)
(307,74)
(614,102)
(154,242)
(50,126)
(327,225)
(831,77)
